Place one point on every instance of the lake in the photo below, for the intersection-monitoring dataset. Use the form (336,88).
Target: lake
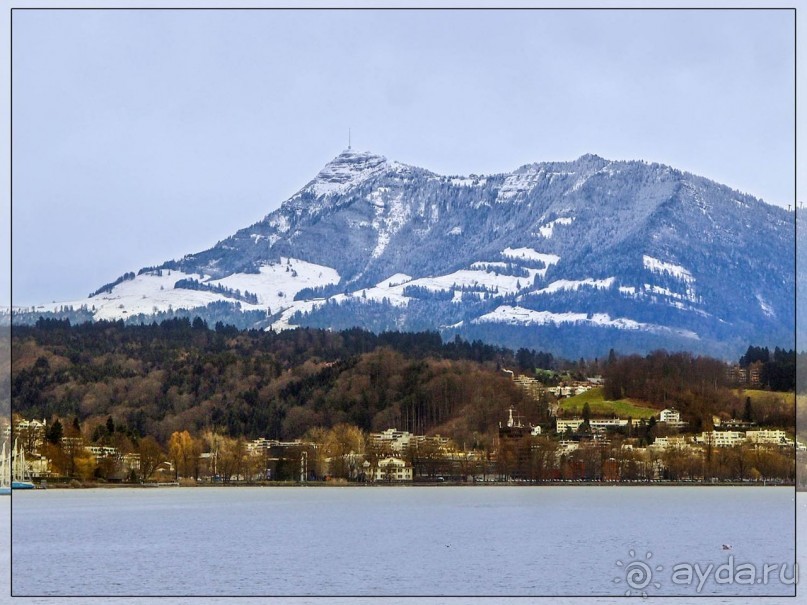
(403,542)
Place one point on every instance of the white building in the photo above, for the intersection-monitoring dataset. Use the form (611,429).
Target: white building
(102,451)
(569,390)
(532,385)
(598,425)
(443,444)
(671,417)
(38,465)
(393,469)
(263,445)
(397,441)
(664,443)
(721,438)
(34,430)
(769,437)
(567,424)
(603,424)
(131,462)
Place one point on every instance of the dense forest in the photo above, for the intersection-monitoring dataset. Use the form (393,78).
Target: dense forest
(181,375)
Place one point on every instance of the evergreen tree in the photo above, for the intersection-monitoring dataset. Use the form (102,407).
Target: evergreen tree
(55,432)
(748,413)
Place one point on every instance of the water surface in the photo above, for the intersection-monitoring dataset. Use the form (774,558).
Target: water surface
(425,542)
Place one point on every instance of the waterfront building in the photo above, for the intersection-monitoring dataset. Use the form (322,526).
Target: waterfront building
(393,469)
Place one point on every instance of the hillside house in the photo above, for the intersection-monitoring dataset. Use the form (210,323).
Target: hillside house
(720,438)
(769,437)
(672,417)
(391,439)
(663,443)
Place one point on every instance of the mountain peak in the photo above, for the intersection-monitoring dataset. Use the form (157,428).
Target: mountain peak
(588,245)
(351,155)
(589,157)
(346,170)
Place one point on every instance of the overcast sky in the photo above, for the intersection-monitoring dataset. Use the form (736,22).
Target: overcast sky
(141,136)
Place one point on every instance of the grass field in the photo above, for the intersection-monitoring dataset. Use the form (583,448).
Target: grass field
(763,396)
(600,407)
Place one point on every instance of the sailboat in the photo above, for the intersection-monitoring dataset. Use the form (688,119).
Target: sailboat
(5,471)
(20,478)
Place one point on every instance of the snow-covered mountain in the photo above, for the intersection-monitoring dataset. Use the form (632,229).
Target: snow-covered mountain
(572,257)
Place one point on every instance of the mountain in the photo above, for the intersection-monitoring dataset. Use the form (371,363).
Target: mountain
(570,257)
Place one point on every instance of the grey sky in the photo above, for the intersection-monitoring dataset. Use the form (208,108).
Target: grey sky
(140,136)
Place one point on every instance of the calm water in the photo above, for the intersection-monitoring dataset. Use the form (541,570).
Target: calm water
(412,541)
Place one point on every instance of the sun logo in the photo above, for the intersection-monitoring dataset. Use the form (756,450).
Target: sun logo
(638,574)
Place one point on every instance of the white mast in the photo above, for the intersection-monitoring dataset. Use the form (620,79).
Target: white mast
(5,468)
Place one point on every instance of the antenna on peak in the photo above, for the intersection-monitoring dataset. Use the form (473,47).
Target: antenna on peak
(348,138)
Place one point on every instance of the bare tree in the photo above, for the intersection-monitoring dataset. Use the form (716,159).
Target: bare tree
(151,457)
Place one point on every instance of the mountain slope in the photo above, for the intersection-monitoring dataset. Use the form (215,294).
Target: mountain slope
(573,257)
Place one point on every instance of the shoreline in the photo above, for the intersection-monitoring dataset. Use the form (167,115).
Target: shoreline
(334,484)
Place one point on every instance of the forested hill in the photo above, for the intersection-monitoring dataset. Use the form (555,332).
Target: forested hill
(179,375)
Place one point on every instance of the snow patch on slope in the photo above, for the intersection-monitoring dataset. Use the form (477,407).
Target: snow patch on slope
(276,283)
(390,215)
(530,254)
(153,292)
(576,284)
(521,316)
(394,280)
(525,179)
(660,291)
(474,279)
(388,290)
(655,265)
(546,231)
(284,321)
(766,307)
(468,181)
(488,265)
(148,293)
(518,182)
(280,222)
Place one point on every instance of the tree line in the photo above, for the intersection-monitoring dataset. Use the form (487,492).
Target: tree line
(697,386)
(180,375)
